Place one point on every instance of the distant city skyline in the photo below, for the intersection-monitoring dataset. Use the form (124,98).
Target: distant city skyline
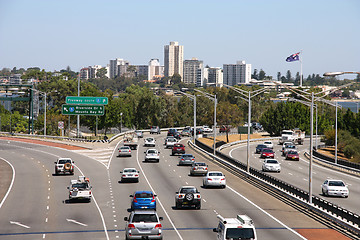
(55,34)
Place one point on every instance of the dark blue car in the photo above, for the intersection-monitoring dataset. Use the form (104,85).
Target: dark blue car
(143,200)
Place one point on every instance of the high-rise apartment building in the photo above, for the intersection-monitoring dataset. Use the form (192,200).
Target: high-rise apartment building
(117,67)
(155,71)
(239,73)
(173,59)
(213,76)
(193,72)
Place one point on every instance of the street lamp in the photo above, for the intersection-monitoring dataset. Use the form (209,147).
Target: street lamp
(193,97)
(248,95)
(212,97)
(121,121)
(44,94)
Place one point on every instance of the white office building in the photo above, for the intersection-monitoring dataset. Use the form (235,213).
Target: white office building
(235,74)
(173,59)
(155,71)
(193,72)
(117,67)
(213,76)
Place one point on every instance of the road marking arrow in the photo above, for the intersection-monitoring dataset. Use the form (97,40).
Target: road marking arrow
(19,224)
(73,221)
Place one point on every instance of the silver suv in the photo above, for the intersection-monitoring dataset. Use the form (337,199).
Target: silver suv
(143,224)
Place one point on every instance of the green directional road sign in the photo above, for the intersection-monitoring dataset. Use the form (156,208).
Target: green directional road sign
(82,110)
(87,100)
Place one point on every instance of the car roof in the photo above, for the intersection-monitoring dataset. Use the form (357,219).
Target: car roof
(142,211)
(129,169)
(215,172)
(187,187)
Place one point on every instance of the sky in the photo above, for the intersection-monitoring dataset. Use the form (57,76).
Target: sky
(54,34)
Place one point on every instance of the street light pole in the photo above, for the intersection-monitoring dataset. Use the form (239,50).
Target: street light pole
(121,122)
(78,116)
(248,136)
(215,101)
(194,137)
(45,108)
(311,146)
(336,131)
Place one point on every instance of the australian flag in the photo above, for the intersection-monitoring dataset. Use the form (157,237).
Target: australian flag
(293,57)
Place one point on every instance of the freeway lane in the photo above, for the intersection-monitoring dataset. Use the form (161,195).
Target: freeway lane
(36,208)
(113,199)
(297,174)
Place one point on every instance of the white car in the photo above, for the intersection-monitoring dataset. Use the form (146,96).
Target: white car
(170,142)
(130,174)
(214,178)
(287,148)
(271,165)
(206,129)
(152,155)
(269,144)
(124,151)
(335,188)
(149,142)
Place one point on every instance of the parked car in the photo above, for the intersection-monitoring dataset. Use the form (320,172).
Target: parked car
(155,130)
(188,196)
(143,200)
(186,159)
(259,148)
(129,174)
(124,151)
(292,155)
(178,148)
(335,188)
(267,153)
(271,165)
(152,155)
(224,129)
(139,133)
(269,144)
(170,142)
(143,224)
(214,179)
(149,142)
(198,168)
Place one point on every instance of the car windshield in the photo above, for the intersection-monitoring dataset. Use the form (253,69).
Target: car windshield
(261,146)
(149,139)
(271,161)
(125,148)
(290,146)
(267,143)
(171,140)
(292,152)
(64,161)
(267,151)
(80,185)
(129,170)
(188,190)
(178,145)
(215,174)
(151,151)
(144,195)
(336,183)
(240,233)
(144,218)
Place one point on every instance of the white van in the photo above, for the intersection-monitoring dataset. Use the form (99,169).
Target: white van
(241,227)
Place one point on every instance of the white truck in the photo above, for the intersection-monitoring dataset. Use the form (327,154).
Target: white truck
(295,136)
(241,227)
(80,189)
(64,165)
(131,141)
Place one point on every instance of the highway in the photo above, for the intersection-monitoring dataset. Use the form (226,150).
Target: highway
(297,173)
(37,207)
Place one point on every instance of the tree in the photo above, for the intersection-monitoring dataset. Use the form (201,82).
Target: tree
(101,73)
(262,75)
(228,114)
(255,74)
(175,79)
(278,76)
(288,76)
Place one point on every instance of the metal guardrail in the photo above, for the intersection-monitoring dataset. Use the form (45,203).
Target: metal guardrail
(345,218)
(340,163)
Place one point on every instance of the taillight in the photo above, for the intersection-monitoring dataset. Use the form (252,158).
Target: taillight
(130,225)
(181,196)
(90,192)
(206,168)
(158,225)
(209,179)
(136,175)
(223,179)
(134,199)
(153,200)
(124,175)
(194,168)
(197,196)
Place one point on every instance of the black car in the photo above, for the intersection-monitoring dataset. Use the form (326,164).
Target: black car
(259,148)
(172,132)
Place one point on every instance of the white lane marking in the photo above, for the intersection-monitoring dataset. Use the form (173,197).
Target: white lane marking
(44,235)
(268,214)
(204,200)
(158,199)
(46,219)
(112,155)
(76,222)
(290,173)
(12,181)
(47,207)
(305,179)
(19,224)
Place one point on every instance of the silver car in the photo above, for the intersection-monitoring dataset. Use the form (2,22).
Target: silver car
(143,224)
(129,174)
(124,151)
(198,168)
(186,159)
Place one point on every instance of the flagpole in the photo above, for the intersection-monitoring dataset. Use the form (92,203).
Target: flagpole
(301,74)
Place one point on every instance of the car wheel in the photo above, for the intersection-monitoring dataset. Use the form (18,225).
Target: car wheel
(347,196)
(177,205)
(204,185)
(223,186)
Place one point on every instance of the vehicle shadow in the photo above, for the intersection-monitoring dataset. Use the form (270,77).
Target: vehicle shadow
(74,201)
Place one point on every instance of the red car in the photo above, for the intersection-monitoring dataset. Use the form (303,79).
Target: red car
(178,148)
(267,153)
(292,155)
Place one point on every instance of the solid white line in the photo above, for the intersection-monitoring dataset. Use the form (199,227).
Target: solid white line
(76,222)
(268,214)
(12,181)
(158,199)
(19,224)
(113,153)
